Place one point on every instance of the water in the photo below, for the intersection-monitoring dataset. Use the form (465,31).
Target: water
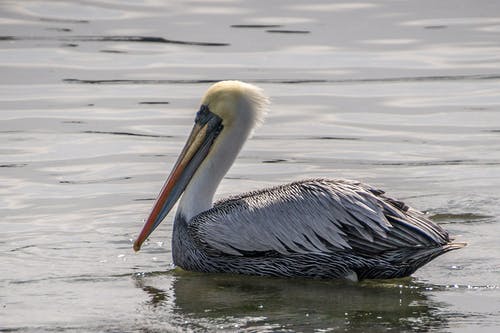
(97,98)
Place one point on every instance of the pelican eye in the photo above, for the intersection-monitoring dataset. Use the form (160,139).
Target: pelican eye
(202,115)
(205,116)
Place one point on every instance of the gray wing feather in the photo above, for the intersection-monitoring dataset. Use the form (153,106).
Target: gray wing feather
(313,216)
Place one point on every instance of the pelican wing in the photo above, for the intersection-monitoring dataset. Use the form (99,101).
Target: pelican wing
(313,216)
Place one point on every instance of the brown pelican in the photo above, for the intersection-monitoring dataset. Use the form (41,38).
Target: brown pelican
(316,228)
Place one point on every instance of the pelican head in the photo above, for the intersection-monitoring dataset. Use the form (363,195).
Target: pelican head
(229,111)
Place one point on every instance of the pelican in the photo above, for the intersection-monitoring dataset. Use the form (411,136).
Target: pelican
(314,228)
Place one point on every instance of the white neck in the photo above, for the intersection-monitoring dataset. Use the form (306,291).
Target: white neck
(198,196)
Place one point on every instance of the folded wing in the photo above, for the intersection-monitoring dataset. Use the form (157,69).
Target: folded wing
(314,216)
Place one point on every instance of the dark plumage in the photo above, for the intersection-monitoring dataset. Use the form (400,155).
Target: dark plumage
(316,228)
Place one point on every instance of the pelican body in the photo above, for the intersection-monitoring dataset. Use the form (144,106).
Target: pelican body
(316,228)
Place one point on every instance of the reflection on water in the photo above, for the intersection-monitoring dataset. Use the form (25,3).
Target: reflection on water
(96,100)
(212,300)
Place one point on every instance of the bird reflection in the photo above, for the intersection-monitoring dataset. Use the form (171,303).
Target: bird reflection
(194,301)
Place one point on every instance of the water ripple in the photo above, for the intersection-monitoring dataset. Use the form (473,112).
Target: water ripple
(132,39)
(471,77)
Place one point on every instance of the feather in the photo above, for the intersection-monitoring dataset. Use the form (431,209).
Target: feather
(314,216)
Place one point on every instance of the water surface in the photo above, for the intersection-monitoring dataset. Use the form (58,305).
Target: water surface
(97,98)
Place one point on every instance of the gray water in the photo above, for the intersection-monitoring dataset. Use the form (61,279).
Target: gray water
(98,96)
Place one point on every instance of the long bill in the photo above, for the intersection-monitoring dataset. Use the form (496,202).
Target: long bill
(206,129)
